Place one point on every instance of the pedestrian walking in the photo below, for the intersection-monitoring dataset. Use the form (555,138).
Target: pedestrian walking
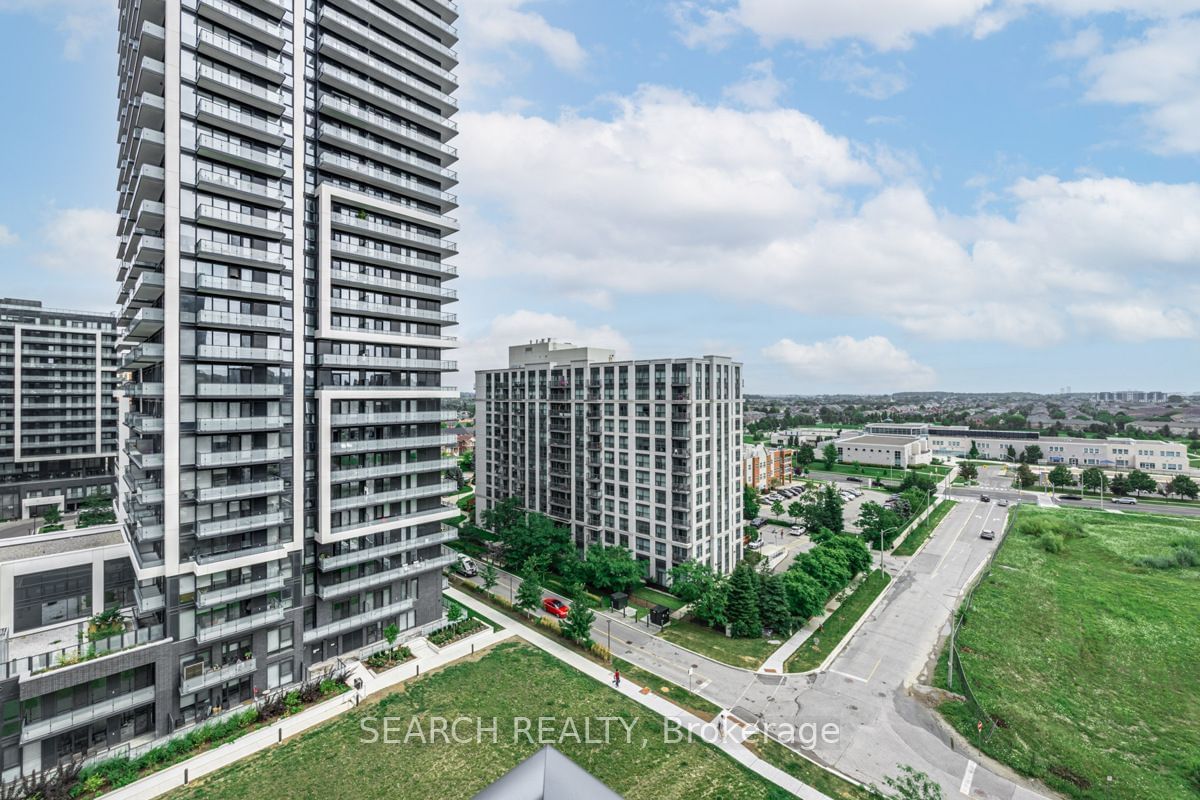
(617,678)
(721,725)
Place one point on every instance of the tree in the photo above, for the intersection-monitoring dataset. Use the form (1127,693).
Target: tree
(1011,453)
(503,515)
(805,455)
(529,594)
(454,613)
(1119,485)
(973,453)
(466,462)
(578,625)
(968,471)
(916,480)
(1092,479)
(538,535)
(805,595)
(691,579)
(456,474)
(391,633)
(1032,454)
(1025,477)
(858,557)
(829,455)
(773,606)
(612,569)
(795,509)
(52,516)
(777,508)
(1183,486)
(1061,476)
(827,565)
(750,504)
(710,606)
(490,575)
(910,785)
(742,605)
(879,525)
(1141,482)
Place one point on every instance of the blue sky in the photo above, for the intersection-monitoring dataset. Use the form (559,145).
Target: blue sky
(863,196)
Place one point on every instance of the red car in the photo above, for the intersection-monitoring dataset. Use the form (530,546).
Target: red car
(555,607)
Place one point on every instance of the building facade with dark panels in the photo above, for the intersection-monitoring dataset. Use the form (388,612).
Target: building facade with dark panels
(644,454)
(58,413)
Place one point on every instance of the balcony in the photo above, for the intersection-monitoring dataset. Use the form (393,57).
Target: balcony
(395,311)
(394,233)
(398,29)
(336,562)
(384,178)
(236,424)
(215,561)
(144,355)
(148,184)
(247,59)
(144,423)
(240,90)
(237,254)
(392,443)
(248,355)
(237,491)
(335,360)
(148,599)
(239,390)
(146,527)
(207,598)
(144,324)
(382,96)
(215,676)
(233,319)
(395,495)
(239,122)
(228,527)
(388,258)
(377,68)
(144,460)
(385,126)
(141,389)
(334,590)
(396,417)
(266,193)
(358,620)
(234,458)
(239,221)
(388,470)
(346,139)
(239,155)
(33,731)
(146,288)
(244,22)
(233,287)
(220,630)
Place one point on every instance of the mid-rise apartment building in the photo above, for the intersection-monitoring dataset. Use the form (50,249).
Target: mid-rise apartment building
(644,454)
(58,415)
(765,468)
(284,198)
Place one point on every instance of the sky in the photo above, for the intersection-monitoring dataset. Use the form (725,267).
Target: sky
(860,196)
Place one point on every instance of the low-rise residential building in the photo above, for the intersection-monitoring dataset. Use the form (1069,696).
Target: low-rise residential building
(764,467)
(646,454)
(58,413)
(884,450)
(1118,453)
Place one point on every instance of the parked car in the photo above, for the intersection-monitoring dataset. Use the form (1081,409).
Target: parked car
(465,566)
(1125,501)
(556,607)
(983,498)
(796,530)
(1069,497)
(758,522)
(989,535)
(755,545)
(853,479)
(1002,503)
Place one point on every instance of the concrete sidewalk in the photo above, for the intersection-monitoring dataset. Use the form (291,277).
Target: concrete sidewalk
(729,739)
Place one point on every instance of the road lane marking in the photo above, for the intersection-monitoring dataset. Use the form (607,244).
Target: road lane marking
(848,675)
(965,786)
(871,674)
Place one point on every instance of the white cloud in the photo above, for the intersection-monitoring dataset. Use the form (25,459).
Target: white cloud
(497,25)
(490,349)
(846,364)
(1159,73)
(759,89)
(669,195)
(79,241)
(7,237)
(861,78)
(80,21)
(1137,323)
(885,24)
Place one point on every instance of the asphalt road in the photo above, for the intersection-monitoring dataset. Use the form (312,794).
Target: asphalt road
(864,690)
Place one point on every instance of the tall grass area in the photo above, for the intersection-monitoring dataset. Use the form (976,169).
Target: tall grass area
(918,535)
(1083,644)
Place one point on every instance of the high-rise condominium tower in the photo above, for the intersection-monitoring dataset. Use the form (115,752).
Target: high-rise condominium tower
(284,177)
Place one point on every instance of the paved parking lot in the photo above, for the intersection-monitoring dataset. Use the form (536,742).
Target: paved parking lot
(773,535)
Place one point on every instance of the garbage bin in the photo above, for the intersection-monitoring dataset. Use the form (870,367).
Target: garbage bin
(618,600)
(660,615)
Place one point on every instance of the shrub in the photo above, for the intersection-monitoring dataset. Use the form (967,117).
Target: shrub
(1183,554)
(600,651)
(1051,543)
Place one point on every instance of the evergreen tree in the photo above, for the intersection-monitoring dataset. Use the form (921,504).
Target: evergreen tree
(773,606)
(742,606)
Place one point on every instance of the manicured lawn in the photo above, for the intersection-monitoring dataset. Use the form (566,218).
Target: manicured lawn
(337,762)
(883,472)
(919,534)
(748,653)
(810,655)
(681,697)
(656,597)
(801,768)
(1087,661)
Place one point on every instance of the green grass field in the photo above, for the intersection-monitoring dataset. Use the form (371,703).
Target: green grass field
(332,762)
(919,534)
(815,649)
(806,771)
(1089,663)
(646,594)
(882,472)
(748,653)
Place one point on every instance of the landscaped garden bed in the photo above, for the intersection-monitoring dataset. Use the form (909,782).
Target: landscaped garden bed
(454,632)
